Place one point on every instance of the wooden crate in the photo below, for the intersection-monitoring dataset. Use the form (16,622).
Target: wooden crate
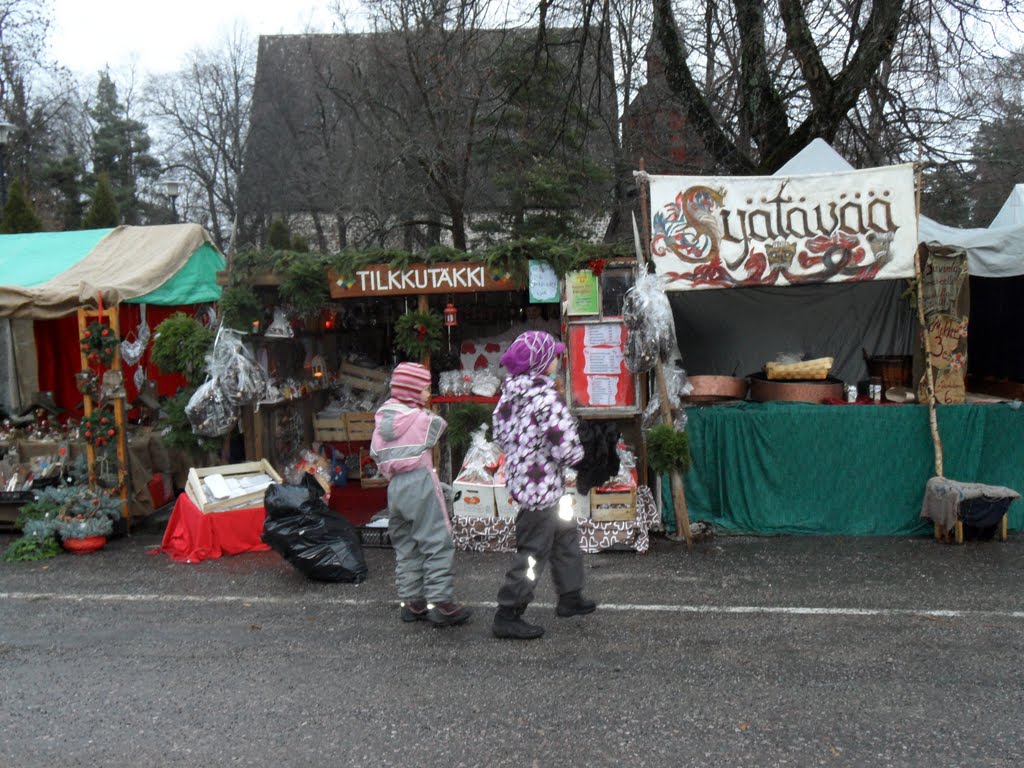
(359,425)
(194,485)
(612,506)
(366,379)
(330,429)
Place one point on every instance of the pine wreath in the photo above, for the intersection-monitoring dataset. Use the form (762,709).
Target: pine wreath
(99,343)
(418,333)
(99,428)
(668,449)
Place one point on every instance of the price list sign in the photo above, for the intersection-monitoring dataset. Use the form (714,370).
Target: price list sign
(597,367)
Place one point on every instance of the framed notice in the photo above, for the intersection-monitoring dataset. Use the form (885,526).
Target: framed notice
(581,293)
(598,377)
(543,283)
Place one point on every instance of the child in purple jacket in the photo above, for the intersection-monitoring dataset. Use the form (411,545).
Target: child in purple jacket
(536,431)
(404,434)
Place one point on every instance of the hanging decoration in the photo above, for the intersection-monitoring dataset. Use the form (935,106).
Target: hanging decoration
(99,428)
(451,315)
(418,333)
(99,343)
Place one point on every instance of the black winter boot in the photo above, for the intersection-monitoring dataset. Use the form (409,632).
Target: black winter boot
(574,604)
(509,624)
(448,614)
(414,610)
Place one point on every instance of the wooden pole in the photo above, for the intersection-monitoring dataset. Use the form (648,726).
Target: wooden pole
(675,478)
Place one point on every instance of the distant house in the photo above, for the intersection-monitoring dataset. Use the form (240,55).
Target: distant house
(405,140)
(655,127)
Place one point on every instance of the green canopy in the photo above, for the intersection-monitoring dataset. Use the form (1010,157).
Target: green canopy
(49,274)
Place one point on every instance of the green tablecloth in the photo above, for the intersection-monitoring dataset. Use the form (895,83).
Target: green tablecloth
(842,469)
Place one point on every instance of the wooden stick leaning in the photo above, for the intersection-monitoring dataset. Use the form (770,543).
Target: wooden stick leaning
(675,478)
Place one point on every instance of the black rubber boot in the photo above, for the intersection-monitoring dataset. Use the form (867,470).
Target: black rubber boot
(574,604)
(509,624)
(448,614)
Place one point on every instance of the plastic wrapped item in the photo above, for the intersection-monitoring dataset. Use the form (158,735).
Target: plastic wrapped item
(678,386)
(234,367)
(279,327)
(310,463)
(650,327)
(209,412)
(299,526)
(482,458)
(132,351)
(485,383)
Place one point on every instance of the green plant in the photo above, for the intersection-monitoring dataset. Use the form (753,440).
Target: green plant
(72,511)
(240,307)
(176,429)
(668,450)
(31,548)
(305,285)
(463,419)
(418,334)
(180,345)
(278,234)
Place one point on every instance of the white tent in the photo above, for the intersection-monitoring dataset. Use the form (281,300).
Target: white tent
(997,251)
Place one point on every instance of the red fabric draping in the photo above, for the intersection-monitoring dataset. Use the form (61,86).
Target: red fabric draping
(357,504)
(192,536)
(58,355)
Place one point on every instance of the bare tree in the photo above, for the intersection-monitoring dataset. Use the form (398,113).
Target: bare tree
(881,76)
(201,115)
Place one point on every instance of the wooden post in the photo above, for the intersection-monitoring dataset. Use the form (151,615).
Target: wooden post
(675,478)
(111,315)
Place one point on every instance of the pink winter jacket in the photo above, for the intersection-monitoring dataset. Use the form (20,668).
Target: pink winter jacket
(403,437)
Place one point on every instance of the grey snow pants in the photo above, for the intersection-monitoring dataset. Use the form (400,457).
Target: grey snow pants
(418,526)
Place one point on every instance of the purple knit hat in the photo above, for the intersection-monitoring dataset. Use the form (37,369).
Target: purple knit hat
(532,353)
(408,382)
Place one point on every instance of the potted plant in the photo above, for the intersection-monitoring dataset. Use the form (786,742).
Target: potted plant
(80,516)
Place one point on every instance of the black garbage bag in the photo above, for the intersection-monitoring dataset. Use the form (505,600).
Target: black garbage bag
(300,527)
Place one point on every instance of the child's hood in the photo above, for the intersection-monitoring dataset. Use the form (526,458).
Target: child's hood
(395,420)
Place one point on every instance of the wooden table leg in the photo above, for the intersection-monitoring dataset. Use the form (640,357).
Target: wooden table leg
(1004,527)
(959,532)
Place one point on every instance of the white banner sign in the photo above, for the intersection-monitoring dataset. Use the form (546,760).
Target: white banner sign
(729,231)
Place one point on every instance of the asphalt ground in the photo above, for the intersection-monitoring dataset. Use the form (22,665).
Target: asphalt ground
(792,651)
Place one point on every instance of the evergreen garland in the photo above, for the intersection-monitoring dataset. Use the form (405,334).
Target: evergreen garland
(99,428)
(99,343)
(668,450)
(31,548)
(418,334)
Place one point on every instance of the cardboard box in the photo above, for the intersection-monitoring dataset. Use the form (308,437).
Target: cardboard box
(474,499)
(237,472)
(504,504)
(612,506)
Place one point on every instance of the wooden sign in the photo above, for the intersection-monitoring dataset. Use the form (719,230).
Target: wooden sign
(417,279)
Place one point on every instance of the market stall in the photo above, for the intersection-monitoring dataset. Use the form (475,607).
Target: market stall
(78,308)
(815,263)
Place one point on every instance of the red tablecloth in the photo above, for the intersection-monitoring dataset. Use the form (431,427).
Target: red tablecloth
(192,536)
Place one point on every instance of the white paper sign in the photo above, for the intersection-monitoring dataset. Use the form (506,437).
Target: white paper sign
(606,360)
(604,335)
(602,389)
(543,283)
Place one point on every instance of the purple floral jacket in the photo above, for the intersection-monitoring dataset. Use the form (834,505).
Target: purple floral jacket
(536,431)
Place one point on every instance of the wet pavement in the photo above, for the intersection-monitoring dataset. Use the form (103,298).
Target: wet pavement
(746,651)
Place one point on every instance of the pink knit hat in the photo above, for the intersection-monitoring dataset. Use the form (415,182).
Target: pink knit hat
(408,381)
(531,352)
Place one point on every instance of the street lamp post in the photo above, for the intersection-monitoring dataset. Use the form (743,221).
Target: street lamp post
(5,135)
(172,189)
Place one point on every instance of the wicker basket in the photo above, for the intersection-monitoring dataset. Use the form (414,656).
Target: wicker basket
(816,369)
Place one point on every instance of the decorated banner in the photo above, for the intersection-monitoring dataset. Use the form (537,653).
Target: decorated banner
(728,231)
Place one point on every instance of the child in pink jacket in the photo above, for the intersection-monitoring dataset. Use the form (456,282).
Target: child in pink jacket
(403,438)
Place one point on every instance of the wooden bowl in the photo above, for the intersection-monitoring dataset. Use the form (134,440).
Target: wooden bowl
(716,389)
(763,390)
